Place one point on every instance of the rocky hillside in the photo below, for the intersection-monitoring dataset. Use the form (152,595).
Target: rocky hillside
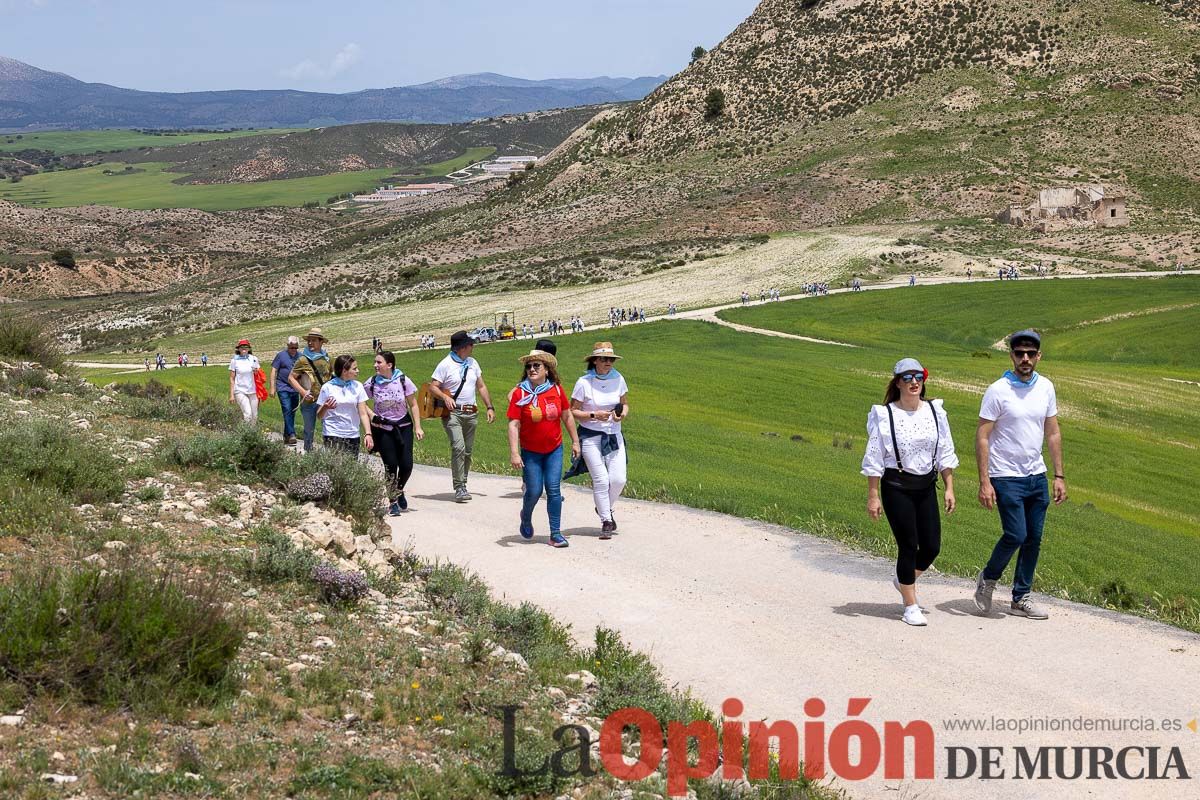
(800,62)
(343,148)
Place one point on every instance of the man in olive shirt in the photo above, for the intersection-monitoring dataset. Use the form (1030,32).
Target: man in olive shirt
(313,369)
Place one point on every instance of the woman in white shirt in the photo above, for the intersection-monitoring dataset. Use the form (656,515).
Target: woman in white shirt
(908,445)
(242,393)
(599,402)
(342,408)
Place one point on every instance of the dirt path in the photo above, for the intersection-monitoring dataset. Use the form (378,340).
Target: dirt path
(736,608)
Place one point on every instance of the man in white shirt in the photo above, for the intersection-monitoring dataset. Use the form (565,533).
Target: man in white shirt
(457,380)
(1018,412)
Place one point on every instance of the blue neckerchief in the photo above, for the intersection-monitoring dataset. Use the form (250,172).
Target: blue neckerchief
(314,356)
(459,359)
(342,383)
(1016,381)
(247,356)
(612,373)
(382,381)
(531,391)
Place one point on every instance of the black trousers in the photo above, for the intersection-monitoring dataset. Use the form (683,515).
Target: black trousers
(395,447)
(916,523)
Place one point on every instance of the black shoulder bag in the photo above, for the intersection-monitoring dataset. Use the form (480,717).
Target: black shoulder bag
(898,478)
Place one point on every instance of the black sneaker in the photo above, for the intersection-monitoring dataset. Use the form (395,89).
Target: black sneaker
(606,529)
(402,501)
(613,521)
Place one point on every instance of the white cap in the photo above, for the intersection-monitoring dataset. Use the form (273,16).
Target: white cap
(907,365)
(293,340)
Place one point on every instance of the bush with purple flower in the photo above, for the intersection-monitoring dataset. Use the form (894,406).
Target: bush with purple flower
(337,587)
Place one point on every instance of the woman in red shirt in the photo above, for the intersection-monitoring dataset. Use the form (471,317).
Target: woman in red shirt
(537,410)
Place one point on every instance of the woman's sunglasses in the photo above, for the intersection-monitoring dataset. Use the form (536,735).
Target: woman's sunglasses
(535,365)
(909,377)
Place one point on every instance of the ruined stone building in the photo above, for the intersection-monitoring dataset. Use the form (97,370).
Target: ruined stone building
(1065,206)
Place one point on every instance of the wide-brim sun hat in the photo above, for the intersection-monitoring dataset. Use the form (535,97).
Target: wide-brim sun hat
(909,365)
(540,355)
(317,333)
(602,349)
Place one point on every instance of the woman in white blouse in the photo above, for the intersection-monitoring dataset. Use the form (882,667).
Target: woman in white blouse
(908,445)
(600,401)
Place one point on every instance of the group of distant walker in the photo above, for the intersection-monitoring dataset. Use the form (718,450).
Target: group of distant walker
(909,444)
(385,411)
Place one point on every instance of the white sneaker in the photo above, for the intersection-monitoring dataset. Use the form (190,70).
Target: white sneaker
(896,583)
(913,616)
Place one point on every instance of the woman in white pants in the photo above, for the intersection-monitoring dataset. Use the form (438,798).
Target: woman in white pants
(600,401)
(241,381)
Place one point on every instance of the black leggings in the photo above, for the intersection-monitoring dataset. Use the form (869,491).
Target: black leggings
(917,525)
(395,447)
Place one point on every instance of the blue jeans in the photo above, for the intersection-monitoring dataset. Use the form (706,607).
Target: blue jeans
(288,401)
(309,412)
(542,470)
(1022,503)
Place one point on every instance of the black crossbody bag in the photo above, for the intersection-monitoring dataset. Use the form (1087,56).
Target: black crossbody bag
(898,478)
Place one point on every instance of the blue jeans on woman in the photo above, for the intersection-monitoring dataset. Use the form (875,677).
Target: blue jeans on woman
(1022,503)
(542,471)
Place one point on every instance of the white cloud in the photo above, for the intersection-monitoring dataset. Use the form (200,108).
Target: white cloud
(310,69)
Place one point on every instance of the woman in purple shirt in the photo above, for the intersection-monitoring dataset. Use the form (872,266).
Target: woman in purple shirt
(393,425)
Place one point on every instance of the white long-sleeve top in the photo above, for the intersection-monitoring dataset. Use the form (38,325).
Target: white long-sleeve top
(916,435)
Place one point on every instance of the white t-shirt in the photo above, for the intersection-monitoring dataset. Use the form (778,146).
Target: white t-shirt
(449,373)
(1020,413)
(342,420)
(243,371)
(594,394)
(917,437)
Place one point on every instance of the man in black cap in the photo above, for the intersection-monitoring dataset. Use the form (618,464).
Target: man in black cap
(1018,413)
(457,380)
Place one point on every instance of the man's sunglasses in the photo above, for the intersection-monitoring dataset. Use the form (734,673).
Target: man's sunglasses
(909,377)
(1023,354)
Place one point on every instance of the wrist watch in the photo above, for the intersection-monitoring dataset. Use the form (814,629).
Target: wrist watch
(591,415)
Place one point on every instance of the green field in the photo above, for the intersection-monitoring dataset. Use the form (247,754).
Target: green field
(82,142)
(472,155)
(152,187)
(717,413)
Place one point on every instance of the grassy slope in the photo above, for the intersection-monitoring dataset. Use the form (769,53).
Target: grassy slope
(701,437)
(81,142)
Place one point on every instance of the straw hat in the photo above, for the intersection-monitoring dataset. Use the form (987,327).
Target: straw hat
(601,349)
(540,355)
(317,333)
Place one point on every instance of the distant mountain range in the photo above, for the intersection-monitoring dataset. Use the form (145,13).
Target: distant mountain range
(34,98)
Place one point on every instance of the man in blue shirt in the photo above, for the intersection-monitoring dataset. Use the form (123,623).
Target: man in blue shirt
(289,398)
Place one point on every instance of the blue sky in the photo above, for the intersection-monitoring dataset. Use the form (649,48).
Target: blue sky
(177,45)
